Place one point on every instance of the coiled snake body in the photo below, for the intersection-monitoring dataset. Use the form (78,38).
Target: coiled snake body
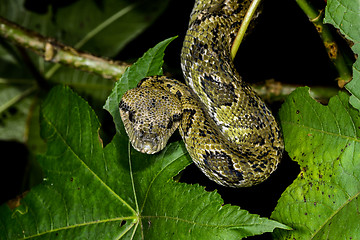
(228,131)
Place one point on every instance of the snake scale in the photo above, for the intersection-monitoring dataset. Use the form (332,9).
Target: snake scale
(227,129)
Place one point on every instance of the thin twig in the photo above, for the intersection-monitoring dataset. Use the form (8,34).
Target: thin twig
(273,91)
(335,54)
(17,98)
(56,52)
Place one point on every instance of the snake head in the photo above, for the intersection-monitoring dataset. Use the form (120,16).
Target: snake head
(150,117)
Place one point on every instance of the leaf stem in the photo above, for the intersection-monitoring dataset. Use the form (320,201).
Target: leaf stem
(334,52)
(244,25)
(132,178)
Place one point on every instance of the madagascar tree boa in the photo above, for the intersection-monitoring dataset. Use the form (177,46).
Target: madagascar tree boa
(228,131)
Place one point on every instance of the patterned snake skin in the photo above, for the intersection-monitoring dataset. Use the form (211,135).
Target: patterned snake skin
(228,131)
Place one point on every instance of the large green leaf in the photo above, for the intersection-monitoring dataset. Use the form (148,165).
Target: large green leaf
(323,202)
(107,193)
(345,15)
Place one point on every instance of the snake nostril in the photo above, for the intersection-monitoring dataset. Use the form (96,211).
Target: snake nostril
(170,123)
(141,134)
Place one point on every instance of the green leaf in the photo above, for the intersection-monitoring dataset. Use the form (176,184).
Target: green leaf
(112,24)
(323,202)
(93,88)
(16,97)
(15,106)
(345,16)
(150,64)
(107,193)
(77,193)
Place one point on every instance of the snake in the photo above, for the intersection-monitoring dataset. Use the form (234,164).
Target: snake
(228,130)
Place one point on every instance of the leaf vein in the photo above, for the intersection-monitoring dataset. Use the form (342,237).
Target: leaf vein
(80,225)
(322,131)
(153,180)
(333,214)
(87,167)
(205,224)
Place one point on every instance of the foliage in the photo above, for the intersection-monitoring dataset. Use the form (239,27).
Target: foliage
(323,202)
(324,140)
(345,16)
(100,27)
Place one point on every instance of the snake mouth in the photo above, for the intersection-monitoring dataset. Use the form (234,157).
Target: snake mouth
(148,144)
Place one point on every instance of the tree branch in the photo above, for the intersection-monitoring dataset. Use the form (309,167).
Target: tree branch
(273,91)
(56,52)
(335,54)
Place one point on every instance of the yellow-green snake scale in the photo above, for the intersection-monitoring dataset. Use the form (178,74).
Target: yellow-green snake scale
(228,131)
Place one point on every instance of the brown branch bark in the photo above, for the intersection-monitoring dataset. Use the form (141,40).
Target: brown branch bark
(55,52)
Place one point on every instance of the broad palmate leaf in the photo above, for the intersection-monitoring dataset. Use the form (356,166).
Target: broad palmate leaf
(91,192)
(323,202)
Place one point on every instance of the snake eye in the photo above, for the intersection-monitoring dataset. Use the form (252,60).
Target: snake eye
(176,117)
(131,116)
(123,106)
(173,119)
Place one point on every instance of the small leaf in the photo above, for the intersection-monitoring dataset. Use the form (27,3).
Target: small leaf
(323,202)
(345,15)
(150,64)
